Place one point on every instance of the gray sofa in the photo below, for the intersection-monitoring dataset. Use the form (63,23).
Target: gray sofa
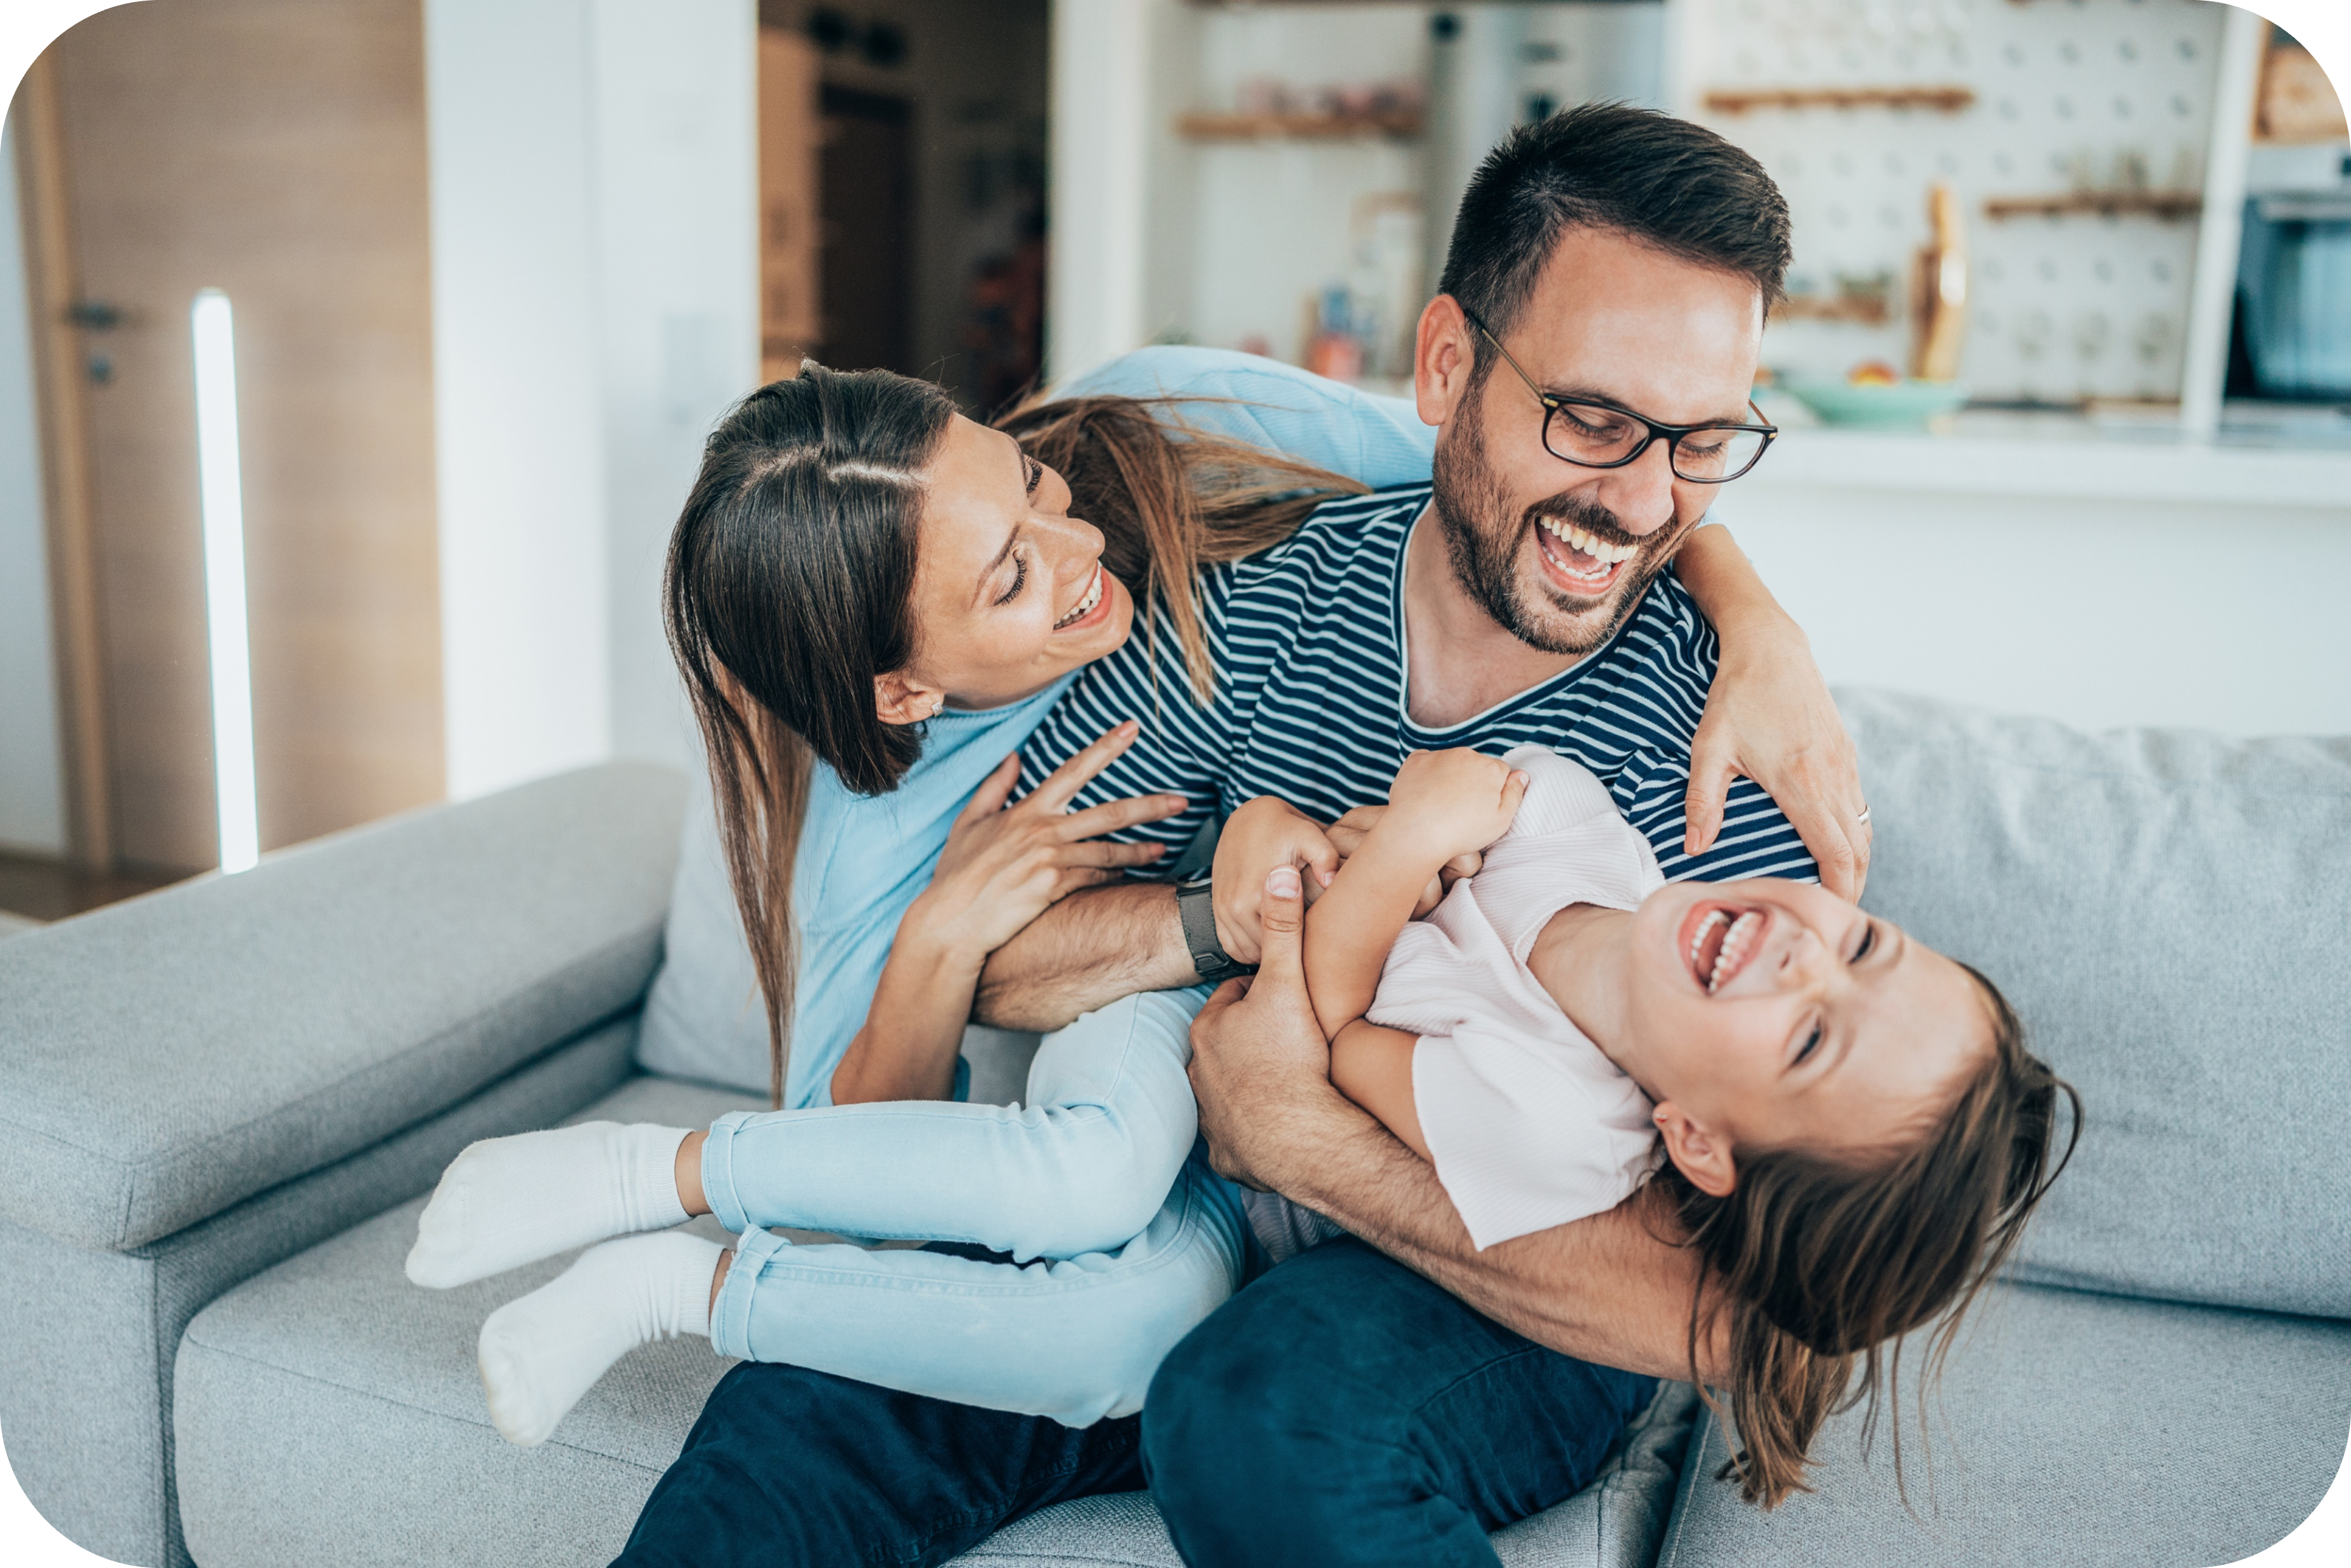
(220,1107)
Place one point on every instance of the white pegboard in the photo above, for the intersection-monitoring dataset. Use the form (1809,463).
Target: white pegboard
(2069,93)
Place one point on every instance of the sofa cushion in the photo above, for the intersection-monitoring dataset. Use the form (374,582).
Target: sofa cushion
(335,994)
(330,1391)
(704,1019)
(2165,909)
(2069,1428)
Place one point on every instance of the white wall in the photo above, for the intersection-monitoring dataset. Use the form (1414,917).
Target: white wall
(1103,118)
(32,796)
(676,150)
(595,307)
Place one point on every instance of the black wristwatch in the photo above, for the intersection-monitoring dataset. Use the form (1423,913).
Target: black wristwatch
(1196,905)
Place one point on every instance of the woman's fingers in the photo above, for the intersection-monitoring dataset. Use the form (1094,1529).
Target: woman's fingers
(1713,764)
(989,798)
(1072,878)
(1062,784)
(1096,852)
(1113,815)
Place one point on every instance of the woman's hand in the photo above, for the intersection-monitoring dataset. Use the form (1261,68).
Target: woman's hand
(1004,866)
(1347,836)
(1263,833)
(1769,716)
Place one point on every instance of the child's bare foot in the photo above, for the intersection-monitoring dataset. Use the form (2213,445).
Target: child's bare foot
(505,1202)
(540,1354)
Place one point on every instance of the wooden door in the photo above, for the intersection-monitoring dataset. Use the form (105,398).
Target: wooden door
(275,150)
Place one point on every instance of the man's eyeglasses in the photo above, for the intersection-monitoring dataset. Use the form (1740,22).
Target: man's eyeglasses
(1594,434)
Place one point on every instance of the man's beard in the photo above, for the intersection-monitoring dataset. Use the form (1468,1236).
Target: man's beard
(1485,554)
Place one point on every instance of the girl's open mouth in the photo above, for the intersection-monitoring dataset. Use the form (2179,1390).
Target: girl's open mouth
(1097,597)
(1717,939)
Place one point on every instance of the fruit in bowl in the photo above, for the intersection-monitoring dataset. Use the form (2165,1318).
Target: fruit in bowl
(1873,394)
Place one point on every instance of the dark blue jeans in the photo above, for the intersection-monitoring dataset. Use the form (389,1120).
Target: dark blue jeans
(1340,1410)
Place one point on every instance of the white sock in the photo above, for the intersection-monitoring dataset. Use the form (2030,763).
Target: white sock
(505,1202)
(540,1354)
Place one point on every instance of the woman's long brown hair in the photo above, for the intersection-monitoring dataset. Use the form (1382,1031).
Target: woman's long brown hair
(791,571)
(1813,1270)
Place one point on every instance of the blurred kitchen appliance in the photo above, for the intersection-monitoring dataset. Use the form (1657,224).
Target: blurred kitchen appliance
(2293,338)
(1941,296)
(1492,67)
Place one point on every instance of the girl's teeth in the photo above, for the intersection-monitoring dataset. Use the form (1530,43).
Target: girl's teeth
(1734,948)
(1714,920)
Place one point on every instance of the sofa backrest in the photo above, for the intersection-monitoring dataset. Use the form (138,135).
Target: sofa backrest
(2168,910)
(167,1057)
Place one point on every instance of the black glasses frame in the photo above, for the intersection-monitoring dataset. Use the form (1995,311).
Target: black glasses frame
(1670,434)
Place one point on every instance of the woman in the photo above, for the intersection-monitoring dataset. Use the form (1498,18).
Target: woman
(874,600)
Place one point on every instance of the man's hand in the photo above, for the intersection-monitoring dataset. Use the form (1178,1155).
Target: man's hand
(1769,716)
(1258,1059)
(1264,833)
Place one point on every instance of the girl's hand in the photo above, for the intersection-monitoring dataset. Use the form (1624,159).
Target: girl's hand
(1451,803)
(1264,833)
(1004,866)
(1348,833)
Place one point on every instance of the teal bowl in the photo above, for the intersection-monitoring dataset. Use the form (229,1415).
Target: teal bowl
(1901,404)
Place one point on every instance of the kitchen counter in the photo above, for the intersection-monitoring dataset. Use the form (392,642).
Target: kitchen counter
(2266,458)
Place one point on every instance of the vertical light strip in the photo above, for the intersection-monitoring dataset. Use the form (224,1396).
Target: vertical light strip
(222,481)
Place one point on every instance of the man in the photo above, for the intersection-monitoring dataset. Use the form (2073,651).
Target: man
(1595,338)
(1588,365)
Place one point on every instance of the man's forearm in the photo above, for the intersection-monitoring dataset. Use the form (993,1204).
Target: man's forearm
(1606,1289)
(1086,951)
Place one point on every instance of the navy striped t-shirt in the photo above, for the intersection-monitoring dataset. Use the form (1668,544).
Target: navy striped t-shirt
(1308,641)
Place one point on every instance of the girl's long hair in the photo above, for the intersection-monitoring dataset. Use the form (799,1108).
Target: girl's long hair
(1814,1270)
(791,571)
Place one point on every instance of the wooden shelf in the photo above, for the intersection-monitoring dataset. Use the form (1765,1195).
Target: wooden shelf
(1301,127)
(2170,205)
(1944,99)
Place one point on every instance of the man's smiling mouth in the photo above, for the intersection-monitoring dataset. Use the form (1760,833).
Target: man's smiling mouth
(1579,559)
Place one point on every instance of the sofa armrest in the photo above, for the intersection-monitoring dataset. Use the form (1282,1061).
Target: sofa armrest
(166,1058)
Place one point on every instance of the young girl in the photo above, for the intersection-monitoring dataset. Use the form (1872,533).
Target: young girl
(1848,1119)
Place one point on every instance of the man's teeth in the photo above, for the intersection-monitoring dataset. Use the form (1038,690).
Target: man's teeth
(1093,598)
(1606,554)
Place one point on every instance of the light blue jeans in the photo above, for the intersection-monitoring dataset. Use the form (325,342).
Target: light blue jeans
(1123,1237)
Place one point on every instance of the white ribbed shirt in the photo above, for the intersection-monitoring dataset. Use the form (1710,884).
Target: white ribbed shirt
(1529,1123)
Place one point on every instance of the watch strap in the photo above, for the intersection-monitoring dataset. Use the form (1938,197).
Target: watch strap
(1196,907)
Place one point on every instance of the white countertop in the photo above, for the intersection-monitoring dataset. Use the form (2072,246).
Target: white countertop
(2301,459)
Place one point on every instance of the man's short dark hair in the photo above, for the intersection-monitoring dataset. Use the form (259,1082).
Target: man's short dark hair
(1664,181)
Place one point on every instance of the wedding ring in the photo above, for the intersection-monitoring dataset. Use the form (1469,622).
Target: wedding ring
(1864,815)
